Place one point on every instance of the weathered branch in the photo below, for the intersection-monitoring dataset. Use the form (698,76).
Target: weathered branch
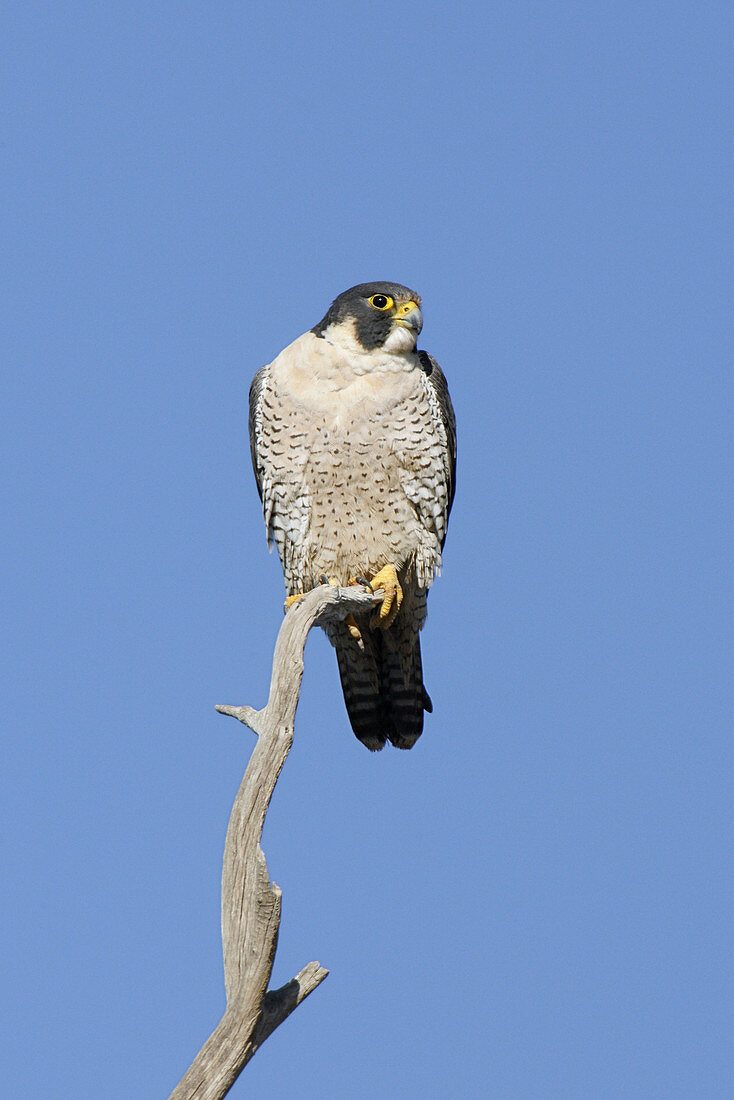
(250,902)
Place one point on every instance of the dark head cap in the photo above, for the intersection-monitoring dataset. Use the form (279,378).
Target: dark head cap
(376,309)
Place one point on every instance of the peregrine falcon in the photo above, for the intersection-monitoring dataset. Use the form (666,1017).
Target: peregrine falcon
(353,443)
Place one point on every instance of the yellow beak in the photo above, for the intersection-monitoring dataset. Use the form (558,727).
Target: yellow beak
(408,315)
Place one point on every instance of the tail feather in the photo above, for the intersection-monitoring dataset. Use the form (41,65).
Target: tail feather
(359,673)
(402,682)
(382,681)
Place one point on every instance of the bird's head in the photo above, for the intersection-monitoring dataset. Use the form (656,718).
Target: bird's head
(374,315)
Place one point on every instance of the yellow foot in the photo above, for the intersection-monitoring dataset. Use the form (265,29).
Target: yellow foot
(354,630)
(387,579)
(323,579)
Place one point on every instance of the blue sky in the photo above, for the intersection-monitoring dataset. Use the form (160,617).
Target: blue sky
(531,903)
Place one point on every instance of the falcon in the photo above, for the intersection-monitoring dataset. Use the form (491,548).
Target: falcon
(353,442)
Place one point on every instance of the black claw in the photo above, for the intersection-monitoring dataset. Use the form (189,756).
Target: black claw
(366,583)
(324,579)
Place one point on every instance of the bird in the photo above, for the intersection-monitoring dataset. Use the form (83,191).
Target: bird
(353,445)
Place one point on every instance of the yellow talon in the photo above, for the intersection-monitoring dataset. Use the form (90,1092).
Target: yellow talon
(354,629)
(387,579)
(290,600)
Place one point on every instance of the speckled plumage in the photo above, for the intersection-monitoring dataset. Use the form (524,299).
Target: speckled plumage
(354,455)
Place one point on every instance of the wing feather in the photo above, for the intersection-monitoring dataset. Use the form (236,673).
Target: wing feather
(262,479)
(443,411)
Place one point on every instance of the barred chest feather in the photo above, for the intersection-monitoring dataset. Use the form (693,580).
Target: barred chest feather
(352,452)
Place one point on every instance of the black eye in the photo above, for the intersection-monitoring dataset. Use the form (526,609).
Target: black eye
(381,301)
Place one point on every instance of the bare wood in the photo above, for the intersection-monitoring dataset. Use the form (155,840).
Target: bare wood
(250,902)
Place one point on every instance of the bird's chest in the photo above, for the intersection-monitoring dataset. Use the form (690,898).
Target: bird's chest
(361,435)
(346,459)
(342,421)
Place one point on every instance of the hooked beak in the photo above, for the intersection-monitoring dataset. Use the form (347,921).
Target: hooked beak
(409,316)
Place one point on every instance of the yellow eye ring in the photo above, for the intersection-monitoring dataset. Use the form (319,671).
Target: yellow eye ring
(381,302)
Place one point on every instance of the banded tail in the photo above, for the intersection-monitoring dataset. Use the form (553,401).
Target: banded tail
(382,682)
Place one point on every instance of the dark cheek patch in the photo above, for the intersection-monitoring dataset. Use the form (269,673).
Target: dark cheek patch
(373,330)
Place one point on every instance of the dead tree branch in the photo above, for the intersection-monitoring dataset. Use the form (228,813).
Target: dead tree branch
(250,902)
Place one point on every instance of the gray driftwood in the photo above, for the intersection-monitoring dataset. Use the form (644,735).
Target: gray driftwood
(250,901)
